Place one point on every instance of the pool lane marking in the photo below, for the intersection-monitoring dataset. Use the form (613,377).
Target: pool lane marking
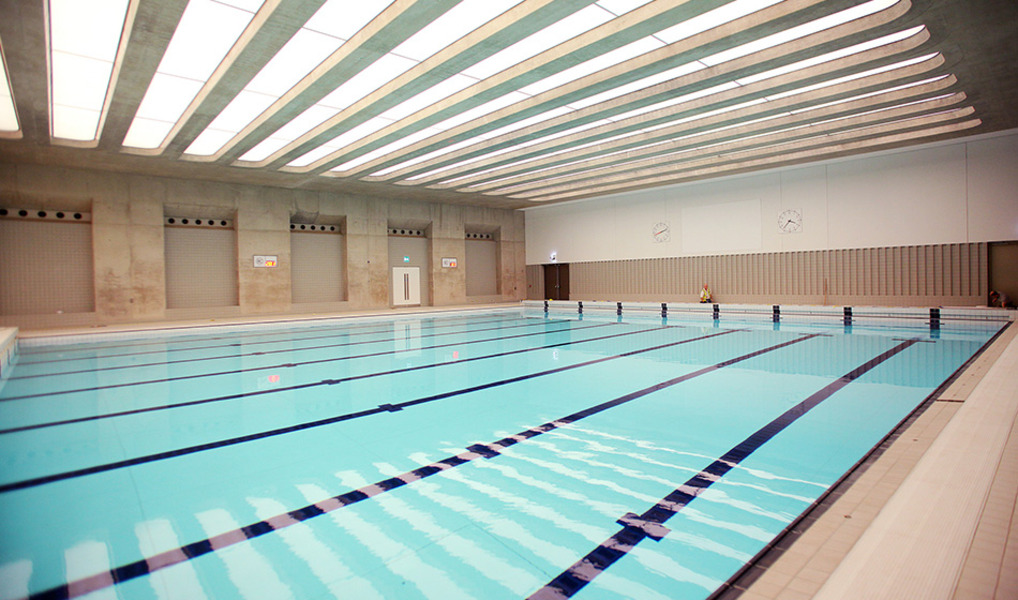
(302,386)
(635,528)
(139,460)
(282,350)
(182,337)
(247,344)
(490,450)
(293,365)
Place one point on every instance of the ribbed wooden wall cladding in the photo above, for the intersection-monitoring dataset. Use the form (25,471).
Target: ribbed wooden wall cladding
(903,276)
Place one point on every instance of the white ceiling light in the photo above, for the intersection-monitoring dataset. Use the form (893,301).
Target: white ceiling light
(800,31)
(207,31)
(8,114)
(84,38)
(563,30)
(712,19)
(459,21)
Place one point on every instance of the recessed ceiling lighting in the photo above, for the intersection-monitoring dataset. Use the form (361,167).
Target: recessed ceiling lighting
(207,31)
(84,39)
(8,113)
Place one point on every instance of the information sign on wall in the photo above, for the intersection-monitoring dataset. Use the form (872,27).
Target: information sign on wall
(448,263)
(265,262)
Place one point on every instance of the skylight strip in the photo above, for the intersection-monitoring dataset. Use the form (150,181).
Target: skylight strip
(745,8)
(206,33)
(556,33)
(854,76)
(720,16)
(713,19)
(457,22)
(590,19)
(714,113)
(653,162)
(8,112)
(648,175)
(809,154)
(364,129)
(413,138)
(801,31)
(454,24)
(599,63)
(717,89)
(307,49)
(485,108)
(84,39)
(603,158)
(842,53)
(561,31)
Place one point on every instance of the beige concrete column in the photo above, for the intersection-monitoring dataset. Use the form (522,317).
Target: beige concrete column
(263,228)
(449,285)
(127,248)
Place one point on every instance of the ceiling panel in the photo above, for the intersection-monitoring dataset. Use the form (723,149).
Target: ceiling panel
(504,103)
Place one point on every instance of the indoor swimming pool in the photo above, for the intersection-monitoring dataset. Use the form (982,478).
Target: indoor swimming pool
(495,454)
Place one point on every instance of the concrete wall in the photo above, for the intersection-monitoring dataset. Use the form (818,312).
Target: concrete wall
(128,242)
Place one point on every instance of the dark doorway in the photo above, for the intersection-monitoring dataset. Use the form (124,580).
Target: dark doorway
(556,282)
(1004,269)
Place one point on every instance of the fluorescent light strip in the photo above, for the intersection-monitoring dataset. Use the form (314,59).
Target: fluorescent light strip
(794,143)
(799,156)
(8,112)
(556,33)
(319,39)
(800,31)
(601,157)
(706,148)
(712,113)
(84,39)
(710,19)
(455,23)
(698,24)
(207,31)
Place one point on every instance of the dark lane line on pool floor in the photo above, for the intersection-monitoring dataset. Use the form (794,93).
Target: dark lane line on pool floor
(319,383)
(183,337)
(243,344)
(139,460)
(145,566)
(282,350)
(292,365)
(635,528)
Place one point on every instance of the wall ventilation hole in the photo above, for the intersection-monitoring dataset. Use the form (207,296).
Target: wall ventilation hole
(60,215)
(172,221)
(3,212)
(292,226)
(22,213)
(77,215)
(42,214)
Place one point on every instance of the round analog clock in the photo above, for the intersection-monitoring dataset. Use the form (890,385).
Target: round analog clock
(790,221)
(661,232)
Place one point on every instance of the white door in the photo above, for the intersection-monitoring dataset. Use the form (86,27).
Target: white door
(406,286)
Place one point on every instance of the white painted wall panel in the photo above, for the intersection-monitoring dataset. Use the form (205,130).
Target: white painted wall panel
(993,189)
(957,192)
(915,197)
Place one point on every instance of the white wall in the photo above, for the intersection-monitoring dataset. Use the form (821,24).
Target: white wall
(962,191)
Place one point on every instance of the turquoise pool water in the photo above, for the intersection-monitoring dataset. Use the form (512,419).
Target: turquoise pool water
(507,454)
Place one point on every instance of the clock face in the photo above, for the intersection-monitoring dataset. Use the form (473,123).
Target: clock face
(661,232)
(790,221)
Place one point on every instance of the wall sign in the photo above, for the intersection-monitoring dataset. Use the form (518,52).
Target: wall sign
(406,259)
(265,262)
(448,263)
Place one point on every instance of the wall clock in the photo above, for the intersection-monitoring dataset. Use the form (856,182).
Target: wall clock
(661,232)
(790,221)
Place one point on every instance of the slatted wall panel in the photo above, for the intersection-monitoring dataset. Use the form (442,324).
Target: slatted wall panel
(943,274)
